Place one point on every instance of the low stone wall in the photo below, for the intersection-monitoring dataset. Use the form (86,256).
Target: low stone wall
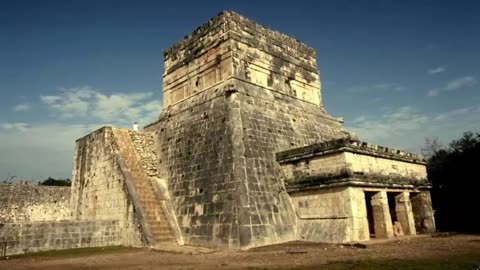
(99,188)
(333,215)
(29,203)
(28,237)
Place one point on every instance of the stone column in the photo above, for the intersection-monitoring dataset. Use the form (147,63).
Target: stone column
(403,209)
(358,227)
(381,215)
(423,212)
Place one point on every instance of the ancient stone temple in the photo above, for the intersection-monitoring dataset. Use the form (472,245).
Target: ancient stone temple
(243,154)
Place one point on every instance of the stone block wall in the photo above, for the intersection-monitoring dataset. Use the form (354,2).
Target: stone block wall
(358,222)
(331,215)
(231,45)
(195,155)
(381,215)
(25,237)
(423,212)
(329,164)
(99,190)
(241,93)
(217,153)
(28,203)
(378,165)
(334,156)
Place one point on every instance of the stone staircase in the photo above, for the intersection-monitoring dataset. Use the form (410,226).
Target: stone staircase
(137,151)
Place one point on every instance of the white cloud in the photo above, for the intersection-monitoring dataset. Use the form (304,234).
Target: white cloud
(22,107)
(117,108)
(455,113)
(406,127)
(437,70)
(14,126)
(455,84)
(50,99)
(72,102)
(433,92)
(459,83)
(37,151)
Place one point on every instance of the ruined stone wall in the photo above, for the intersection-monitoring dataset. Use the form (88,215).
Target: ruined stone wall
(99,189)
(329,164)
(230,45)
(270,122)
(237,93)
(331,215)
(358,222)
(217,153)
(27,203)
(342,161)
(377,165)
(55,235)
(196,157)
(423,212)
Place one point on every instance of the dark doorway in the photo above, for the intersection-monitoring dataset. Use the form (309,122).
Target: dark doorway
(391,205)
(368,204)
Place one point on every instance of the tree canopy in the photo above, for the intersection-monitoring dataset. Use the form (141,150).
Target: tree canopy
(56,182)
(455,182)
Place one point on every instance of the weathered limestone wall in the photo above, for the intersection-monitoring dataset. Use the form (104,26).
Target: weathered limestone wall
(268,58)
(322,214)
(331,215)
(337,162)
(269,122)
(217,153)
(55,235)
(29,203)
(236,94)
(423,212)
(381,215)
(197,160)
(329,164)
(403,211)
(383,166)
(99,190)
(341,161)
(358,222)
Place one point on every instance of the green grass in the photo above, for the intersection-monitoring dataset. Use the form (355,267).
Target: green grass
(464,262)
(75,252)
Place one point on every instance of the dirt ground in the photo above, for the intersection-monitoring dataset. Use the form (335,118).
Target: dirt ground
(293,255)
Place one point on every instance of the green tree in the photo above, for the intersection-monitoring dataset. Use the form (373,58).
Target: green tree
(455,182)
(56,182)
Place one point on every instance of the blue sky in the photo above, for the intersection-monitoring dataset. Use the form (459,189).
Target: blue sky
(397,71)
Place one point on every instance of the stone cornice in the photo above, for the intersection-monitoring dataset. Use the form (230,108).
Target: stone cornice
(347,178)
(230,21)
(347,145)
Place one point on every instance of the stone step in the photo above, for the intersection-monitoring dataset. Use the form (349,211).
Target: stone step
(165,229)
(164,234)
(142,162)
(155,226)
(153,212)
(163,240)
(153,220)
